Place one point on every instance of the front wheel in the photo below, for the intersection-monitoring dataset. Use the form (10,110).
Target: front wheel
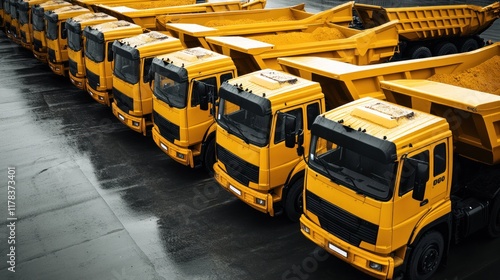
(494,223)
(426,256)
(209,156)
(294,203)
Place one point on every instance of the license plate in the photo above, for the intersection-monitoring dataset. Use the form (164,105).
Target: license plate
(121,117)
(164,147)
(235,190)
(337,250)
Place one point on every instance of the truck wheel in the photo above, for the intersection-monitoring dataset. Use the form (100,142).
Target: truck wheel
(468,45)
(420,52)
(294,203)
(209,157)
(494,224)
(445,48)
(426,256)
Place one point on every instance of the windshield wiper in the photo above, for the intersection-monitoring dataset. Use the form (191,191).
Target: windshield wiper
(324,163)
(356,188)
(233,123)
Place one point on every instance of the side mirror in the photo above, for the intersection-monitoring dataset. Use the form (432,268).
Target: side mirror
(290,123)
(300,143)
(201,92)
(421,178)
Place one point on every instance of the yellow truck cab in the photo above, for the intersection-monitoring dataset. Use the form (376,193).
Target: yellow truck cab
(99,56)
(389,187)
(76,43)
(13,31)
(57,41)
(132,93)
(183,125)
(24,18)
(38,38)
(253,161)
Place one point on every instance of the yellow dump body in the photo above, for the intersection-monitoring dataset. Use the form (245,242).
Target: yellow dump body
(251,53)
(144,14)
(90,4)
(474,116)
(192,31)
(418,23)
(344,82)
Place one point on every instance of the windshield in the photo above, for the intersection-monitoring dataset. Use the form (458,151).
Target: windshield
(74,40)
(52,30)
(126,69)
(349,167)
(13,12)
(94,50)
(38,22)
(251,127)
(23,17)
(172,92)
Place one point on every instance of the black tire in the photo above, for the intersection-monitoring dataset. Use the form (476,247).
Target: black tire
(420,52)
(469,45)
(445,48)
(494,223)
(426,256)
(209,156)
(294,203)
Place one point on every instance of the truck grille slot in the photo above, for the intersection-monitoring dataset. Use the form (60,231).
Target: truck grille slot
(237,168)
(341,223)
(167,129)
(73,67)
(92,79)
(37,45)
(52,55)
(124,102)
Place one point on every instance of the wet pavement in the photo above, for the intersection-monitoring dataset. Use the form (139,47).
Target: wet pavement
(95,200)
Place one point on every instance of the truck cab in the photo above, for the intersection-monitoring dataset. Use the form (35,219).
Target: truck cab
(13,31)
(99,56)
(76,43)
(24,18)
(256,112)
(39,40)
(57,41)
(183,125)
(132,93)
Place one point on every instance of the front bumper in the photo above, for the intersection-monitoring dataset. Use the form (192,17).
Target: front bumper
(181,155)
(137,124)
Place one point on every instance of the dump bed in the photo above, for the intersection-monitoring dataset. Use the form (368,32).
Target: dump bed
(193,31)
(144,14)
(474,116)
(418,23)
(252,53)
(344,82)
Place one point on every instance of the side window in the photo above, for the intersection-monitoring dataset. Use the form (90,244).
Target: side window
(279,134)
(195,97)
(439,159)
(225,77)
(145,71)
(312,113)
(110,51)
(408,174)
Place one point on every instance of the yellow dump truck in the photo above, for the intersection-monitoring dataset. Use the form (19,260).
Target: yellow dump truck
(145,14)
(426,31)
(254,52)
(76,43)
(132,93)
(183,124)
(192,30)
(38,38)
(99,56)
(25,22)
(56,35)
(389,186)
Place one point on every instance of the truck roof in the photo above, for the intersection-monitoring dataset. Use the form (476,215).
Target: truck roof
(148,38)
(192,57)
(112,25)
(91,17)
(386,120)
(275,85)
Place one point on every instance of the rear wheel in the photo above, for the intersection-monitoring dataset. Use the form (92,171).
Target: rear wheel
(294,203)
(494,223)
(468,45)
(445,48)
(426,256)
(209,156)
(420,52)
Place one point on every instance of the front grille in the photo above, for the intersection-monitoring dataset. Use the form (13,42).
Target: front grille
(37,45)
(92,79)
(168,130)
(237,168)
(73,67)
(341,223)
(52,55)
(124,102)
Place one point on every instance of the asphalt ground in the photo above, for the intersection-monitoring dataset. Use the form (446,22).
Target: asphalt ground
(95,200)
